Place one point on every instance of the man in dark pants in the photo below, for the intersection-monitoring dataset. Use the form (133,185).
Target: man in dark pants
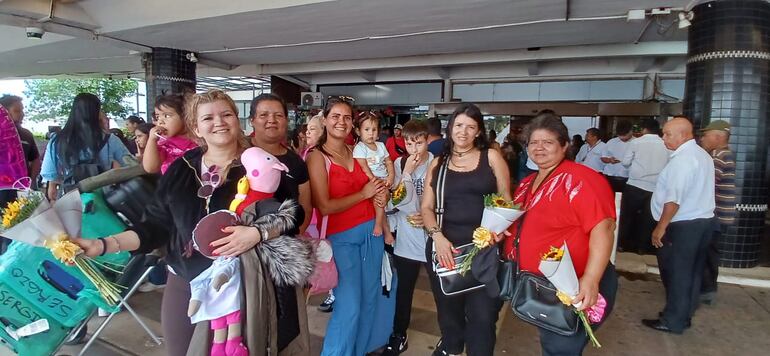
(644,157)
(683,205)
(714,139)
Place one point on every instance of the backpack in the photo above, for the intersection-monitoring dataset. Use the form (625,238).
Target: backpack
(83,169)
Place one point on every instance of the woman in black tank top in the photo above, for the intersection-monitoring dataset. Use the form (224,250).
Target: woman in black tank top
(467,321)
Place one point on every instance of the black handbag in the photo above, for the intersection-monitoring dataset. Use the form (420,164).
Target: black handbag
(507,272)
(452,282)
(534,299)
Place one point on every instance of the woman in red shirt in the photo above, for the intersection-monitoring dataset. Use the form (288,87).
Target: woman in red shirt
(344,194)
(565,202)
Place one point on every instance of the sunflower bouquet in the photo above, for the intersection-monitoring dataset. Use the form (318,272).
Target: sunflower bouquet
(499,214)
(33,220)
(556,265)
(399,194)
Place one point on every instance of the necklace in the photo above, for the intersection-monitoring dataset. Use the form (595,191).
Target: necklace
(460,154)
(336,153)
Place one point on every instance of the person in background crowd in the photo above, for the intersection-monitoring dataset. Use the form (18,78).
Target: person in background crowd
(344,193)
(170,138)
(313,132)
(511,151)
(126,142)
(395,144)
(683,205)
(493,140)
(613,152)
(575,146)
(645,157)
(715,140)
(585,206)
(409,249)
(385,134)
(170,219)
(82,140)
(590,153)
(132,122)
(301,140)
(13,104)
(473,170)
(436,140)
(141,136)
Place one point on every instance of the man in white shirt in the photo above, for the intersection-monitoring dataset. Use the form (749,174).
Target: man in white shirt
(614,151)
(683,204)
(591,152)
(645,157)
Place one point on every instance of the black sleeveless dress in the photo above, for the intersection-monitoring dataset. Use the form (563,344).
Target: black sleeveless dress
(464,200)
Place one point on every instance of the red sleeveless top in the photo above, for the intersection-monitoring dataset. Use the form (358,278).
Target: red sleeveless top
(343,183)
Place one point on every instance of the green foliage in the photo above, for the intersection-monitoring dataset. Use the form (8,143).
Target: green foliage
(50,98)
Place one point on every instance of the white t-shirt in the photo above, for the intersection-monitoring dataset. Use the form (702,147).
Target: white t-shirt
(591,156)
(688,181)
(615,148)
(374,159)
(645,157)
(410,241)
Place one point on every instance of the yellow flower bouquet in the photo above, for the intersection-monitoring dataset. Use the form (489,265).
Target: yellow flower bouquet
(399,194)
(556,265)
(498,215)
(31,219)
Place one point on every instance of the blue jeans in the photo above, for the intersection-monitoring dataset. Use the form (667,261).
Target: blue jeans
(358,255)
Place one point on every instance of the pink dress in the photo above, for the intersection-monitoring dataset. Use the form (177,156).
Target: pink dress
(171,148)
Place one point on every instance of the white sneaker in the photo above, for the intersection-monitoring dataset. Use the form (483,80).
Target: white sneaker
(149,287)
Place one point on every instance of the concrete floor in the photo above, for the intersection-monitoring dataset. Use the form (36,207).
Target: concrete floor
(738,324)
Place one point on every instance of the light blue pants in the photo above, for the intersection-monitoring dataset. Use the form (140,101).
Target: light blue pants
(358,255)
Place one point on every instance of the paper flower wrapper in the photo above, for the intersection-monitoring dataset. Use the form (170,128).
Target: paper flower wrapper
(557,266)
(51,226)
(498,220)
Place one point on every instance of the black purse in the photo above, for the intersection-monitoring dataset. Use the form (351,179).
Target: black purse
(452,282)
(534,299)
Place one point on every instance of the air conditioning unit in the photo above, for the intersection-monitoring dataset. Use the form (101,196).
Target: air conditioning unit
(310,99)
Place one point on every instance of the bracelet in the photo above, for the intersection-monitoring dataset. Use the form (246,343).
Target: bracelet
(104,246)
(433,230)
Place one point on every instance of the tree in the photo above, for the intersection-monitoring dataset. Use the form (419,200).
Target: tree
(51,98)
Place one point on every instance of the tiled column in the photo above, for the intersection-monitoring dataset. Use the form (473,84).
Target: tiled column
(728,78)
(168,71)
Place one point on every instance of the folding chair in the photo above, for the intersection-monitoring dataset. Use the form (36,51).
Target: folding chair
(136,272)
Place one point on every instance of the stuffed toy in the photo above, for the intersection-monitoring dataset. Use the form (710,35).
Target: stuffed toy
(13,167)
(216,292)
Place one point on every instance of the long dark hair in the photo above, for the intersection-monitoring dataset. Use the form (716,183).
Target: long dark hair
(332,102)
(81,133)
(471,110)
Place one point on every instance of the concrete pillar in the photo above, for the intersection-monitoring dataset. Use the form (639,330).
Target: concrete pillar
(728,78)
(168,71)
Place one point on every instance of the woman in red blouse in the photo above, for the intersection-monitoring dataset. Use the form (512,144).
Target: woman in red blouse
(565,202)
(344,193)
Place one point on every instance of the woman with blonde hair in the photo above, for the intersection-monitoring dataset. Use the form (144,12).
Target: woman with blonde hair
(203,180)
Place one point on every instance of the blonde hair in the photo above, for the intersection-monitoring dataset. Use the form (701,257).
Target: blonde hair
(194,101)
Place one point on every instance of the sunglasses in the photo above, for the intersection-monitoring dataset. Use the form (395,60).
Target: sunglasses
(209,180)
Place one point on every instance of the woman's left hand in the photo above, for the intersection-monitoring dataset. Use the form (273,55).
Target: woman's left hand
(588,295)
(380,199)
(240,240)
(500,237)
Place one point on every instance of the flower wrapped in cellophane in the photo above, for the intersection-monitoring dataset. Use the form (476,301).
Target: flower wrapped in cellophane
(31,219)
(499,214)
(556,265)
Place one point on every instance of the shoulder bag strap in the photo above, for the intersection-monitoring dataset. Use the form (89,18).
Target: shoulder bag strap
(440,193)
(325,218)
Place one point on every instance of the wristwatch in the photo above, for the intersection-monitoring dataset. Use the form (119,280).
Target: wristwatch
(432,231)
